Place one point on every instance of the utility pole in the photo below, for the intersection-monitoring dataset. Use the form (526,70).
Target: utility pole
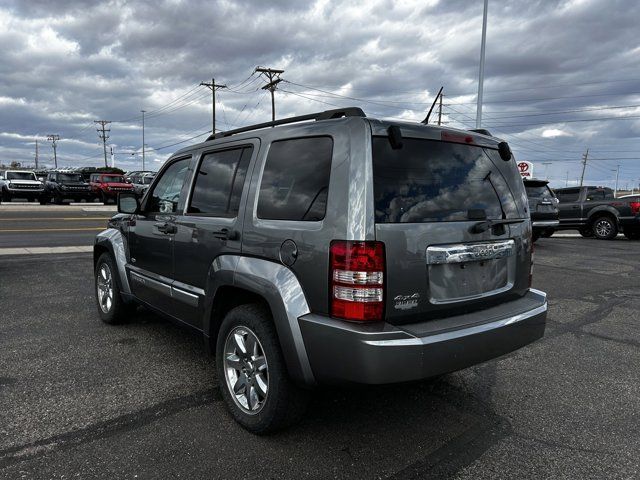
(585,157)
(273,75)
(102,133)
(143,112)
(213,88)
(615,190)
(36,157)
(54,142)
(481,72)
(113,157)
(440,109)
(546,166)
(566,182)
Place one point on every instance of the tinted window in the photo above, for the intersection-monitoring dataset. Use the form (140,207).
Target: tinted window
(568,195)
(166,194)
(295,181)
(428,181)
(219,183)
(537,192)
(21,176)
(70,177)
(112,179)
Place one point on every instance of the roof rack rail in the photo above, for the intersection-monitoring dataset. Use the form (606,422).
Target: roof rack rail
(326,115)
(482,131)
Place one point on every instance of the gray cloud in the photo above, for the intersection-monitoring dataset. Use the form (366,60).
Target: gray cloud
(67,63)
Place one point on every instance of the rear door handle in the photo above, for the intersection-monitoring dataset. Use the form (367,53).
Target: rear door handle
(165,227)
(226,234)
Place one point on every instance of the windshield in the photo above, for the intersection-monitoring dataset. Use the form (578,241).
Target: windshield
(69,177)
(21,176)
(146,180)
(435,181)
(112,179)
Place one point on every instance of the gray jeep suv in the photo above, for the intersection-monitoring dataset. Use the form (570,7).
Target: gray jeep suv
(330,249)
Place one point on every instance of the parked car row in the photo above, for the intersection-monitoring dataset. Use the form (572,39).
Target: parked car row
(593,211)
(60,186)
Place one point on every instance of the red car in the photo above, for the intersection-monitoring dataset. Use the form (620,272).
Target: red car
(106,186)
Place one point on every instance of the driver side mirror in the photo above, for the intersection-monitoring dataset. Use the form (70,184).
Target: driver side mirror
(128,203)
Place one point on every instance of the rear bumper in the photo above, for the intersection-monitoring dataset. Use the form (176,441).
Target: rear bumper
(341,352)
(545,223)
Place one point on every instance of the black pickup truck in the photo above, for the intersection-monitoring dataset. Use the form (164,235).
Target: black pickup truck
(594,211)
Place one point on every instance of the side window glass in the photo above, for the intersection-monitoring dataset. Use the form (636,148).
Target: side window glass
(295,181)
(608,194)
(568,195)
(595,194)
(219,182)
(166,194)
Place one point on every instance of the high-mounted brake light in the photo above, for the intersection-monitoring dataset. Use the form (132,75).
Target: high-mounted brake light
(455,137)
(357,280)
(635,208)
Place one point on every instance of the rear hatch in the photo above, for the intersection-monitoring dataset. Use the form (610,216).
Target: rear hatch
(453,219)
(542,203)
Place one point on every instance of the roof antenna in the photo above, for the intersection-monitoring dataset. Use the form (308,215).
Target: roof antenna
(426,120)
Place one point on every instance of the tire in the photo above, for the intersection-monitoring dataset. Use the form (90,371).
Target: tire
(547,233)
(111,308)
(535,236)
(604,228)
(57,199)
(5,196)
(282,403)
(632,234)
(43,201)
(586,232)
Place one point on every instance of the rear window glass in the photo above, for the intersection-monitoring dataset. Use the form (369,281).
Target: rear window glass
(111,179)
(596,194)
(537,191)
(295,181)
(568,195)
(431,181)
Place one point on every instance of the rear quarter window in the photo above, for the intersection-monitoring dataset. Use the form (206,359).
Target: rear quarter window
(295,179)
(435,181)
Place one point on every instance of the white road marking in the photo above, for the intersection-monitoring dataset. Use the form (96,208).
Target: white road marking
(44,250)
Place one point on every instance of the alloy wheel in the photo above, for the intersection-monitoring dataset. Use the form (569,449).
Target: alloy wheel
(603,228)
(246,370)
(104,285)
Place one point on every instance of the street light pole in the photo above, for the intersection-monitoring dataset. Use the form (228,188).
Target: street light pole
(143,112)
(481,72)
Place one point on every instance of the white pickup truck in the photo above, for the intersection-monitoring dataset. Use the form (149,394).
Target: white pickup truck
(21,184)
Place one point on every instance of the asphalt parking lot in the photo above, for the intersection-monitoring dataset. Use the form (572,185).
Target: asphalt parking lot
(80,399)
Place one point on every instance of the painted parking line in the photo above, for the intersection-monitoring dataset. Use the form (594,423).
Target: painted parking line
(44,250)
(28,230)
(27,219)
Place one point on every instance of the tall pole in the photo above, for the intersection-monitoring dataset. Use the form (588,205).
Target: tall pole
(566,182)
(36,158)
(584,166)
(481,72)
(273,74)
(615,191)
(440,109)
(143,112)
(546,166)
(213,88)
(102,133)
(53,138)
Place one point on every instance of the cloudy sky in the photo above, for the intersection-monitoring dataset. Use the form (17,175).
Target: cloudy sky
(560,76)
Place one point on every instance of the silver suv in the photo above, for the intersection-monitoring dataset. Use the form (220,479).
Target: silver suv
(331,249)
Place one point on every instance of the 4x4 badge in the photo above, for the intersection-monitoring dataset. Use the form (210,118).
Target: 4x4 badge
(405,302)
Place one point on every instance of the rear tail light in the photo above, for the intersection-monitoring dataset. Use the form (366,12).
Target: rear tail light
(357,280)
(635,208)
